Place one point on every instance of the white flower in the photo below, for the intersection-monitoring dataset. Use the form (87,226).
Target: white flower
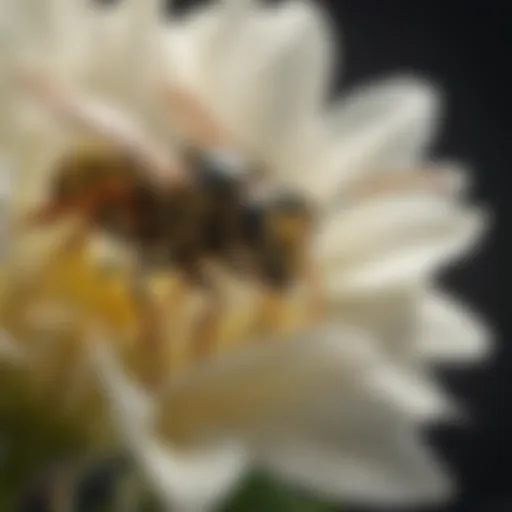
(336,410)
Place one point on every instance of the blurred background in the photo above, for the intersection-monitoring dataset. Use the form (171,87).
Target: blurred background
(461,48)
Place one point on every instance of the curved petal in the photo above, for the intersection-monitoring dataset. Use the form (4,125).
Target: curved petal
(382,465)
(268,384)
(417,326)
(183,44)
(33,158)
(391,317)
(395,240)
(124,55)
(196,480)
(233,19)
(408,264)
(330,394)
(288,90)
(188,479)
(52,34)
(198,47)
(382,125)
(371,223)
(43,23)
(375,225)
(267,98)
(407,105)
(450,332)
(143,18)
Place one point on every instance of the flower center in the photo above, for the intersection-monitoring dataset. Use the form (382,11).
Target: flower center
(157,338)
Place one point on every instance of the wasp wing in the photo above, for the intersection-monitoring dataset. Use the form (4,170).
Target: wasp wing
(90,114)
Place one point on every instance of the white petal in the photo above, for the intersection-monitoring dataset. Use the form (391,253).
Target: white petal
(350,441)
(141,20)
(133,407)
(409,264)
(416,327)
(390,317)
(71,19)
(385,124)
(243,393)
(52,33)
(267,98)
(190,480)
(125,55)
(199,46)
(380,464)
(325,411)
(289,88)
(372,223)
(232,22)
(39,22)
(396,240)
(413,101)
(410,389)
(184,45)
(144,17)
(451,332)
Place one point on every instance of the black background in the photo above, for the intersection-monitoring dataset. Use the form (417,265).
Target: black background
(463,49)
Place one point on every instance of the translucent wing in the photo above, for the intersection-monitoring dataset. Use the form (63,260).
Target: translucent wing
(90,114)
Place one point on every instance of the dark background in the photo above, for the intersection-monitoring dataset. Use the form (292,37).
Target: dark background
(463,49)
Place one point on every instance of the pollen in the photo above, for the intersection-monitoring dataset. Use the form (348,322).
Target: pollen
(50,314)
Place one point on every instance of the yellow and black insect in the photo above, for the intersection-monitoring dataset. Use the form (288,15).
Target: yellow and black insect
(211,217)
(177,214)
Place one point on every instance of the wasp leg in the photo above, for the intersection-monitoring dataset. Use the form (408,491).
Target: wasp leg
(272,313)
(204,334)
(282,309)
(46,216)
(316,300)
(86,205)
(152,334)
(207,327)
(43,216)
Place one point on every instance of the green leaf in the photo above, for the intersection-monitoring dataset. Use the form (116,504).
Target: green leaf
(32,439)
(261,493)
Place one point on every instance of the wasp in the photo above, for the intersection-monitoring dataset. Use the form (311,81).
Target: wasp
(179,210)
